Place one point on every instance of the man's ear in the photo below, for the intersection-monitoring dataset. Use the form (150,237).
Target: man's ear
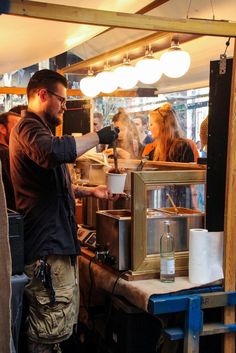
(3,129)
(42,93)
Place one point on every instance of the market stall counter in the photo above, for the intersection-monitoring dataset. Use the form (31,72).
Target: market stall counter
(156,298)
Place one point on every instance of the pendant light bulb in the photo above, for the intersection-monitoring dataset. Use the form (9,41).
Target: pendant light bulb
(126,75)
(175,62)
(88,85)
(106,80)
(148,69)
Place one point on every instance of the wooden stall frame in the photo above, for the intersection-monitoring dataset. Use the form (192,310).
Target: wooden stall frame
(221,28)
(149,180)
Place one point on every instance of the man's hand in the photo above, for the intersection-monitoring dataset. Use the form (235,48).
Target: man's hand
(102,192)
(107,135)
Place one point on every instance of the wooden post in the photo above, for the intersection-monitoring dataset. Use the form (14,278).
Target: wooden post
(230,214)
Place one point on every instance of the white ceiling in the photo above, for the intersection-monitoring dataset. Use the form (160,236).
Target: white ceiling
(28,41)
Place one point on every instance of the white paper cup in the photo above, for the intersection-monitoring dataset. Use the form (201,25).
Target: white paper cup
(116,182)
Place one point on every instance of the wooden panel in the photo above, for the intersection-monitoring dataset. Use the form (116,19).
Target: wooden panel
(230,213)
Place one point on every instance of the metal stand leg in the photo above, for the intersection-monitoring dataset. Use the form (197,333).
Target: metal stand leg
(193,325)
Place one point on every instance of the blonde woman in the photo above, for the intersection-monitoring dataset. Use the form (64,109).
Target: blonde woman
(128,143)
(169,144)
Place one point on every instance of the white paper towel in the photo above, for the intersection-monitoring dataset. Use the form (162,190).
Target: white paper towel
(205,256)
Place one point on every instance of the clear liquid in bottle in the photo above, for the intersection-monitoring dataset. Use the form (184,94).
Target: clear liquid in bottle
(167,255)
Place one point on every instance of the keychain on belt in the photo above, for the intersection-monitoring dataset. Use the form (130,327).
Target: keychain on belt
(42,271)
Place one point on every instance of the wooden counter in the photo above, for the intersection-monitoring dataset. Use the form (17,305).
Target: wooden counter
(136,292)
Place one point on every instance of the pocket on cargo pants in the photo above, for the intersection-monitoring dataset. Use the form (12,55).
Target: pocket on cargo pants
(53,322)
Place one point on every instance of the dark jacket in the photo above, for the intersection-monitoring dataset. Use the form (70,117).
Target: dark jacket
(180,151)
(6,177)
(42,188)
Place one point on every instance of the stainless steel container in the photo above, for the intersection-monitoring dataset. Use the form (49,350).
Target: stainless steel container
(181,222)
(113,234)
(114,231)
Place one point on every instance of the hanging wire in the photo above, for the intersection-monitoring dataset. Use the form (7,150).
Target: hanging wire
(212,9)
(227,44)
(189,5)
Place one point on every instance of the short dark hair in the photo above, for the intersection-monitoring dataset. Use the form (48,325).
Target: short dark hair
(4,117)
(18,108)
(45,79)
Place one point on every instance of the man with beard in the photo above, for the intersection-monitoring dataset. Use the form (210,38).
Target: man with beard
(45,197)
(7,121)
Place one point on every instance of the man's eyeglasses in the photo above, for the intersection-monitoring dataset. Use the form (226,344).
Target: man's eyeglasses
(60,98)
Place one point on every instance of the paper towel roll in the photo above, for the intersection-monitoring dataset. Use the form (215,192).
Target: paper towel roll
(205,256)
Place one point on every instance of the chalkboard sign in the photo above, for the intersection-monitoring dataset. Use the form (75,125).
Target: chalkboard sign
(218,121)
(76,118)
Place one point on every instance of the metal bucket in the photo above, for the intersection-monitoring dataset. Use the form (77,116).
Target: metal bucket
(91,205)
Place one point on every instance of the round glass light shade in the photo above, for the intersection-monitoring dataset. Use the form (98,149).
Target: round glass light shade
(175,62)
(126,76)
(106,81)
(89,87)
(148,70)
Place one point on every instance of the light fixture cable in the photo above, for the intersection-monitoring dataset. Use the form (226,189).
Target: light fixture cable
(227,44)
(212,9)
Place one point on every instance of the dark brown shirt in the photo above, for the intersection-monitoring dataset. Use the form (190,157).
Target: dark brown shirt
(42,188)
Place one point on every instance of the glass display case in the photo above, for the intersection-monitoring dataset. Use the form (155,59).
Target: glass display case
(174,195)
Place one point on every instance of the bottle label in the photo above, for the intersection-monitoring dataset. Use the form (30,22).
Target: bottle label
(168,266)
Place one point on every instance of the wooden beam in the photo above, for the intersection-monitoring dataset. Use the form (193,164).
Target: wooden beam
(13,90)
(81,15)
(71,92)
(159,41)
(230,214)
(114,52)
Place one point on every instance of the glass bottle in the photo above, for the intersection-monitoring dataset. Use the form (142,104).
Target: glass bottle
(167,255)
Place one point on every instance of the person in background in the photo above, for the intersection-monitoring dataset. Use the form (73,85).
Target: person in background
(199,148)
(97,121)
(45,198)
(141,124)
(204,136)
(128,143)
(98,125)
(169,144)
(18,108)
(7,121)
(198,145)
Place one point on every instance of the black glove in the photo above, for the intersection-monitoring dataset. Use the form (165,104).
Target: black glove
(107,135)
